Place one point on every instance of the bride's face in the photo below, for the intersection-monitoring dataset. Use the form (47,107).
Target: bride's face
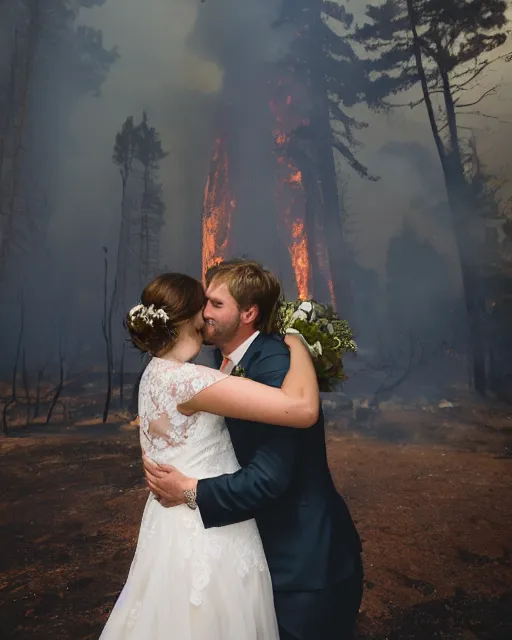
(198,323)
(189,340)
(196,331)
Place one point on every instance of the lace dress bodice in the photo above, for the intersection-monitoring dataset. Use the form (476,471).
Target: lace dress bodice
(197,445)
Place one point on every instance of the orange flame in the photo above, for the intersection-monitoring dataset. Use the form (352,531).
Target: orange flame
(281,139)
(218,207)
(295,177)
(288,115)
(300,260)
(290,194)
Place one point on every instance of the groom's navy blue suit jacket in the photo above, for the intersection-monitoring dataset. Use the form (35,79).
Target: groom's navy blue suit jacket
(308,535)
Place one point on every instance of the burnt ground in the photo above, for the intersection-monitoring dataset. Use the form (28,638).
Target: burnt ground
(429,489)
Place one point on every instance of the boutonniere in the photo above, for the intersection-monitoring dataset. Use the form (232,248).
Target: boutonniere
(239,372)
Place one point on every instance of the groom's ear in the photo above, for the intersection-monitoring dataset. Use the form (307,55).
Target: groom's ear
(250,315)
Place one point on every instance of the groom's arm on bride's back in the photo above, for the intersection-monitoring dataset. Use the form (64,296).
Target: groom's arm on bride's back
(238,496)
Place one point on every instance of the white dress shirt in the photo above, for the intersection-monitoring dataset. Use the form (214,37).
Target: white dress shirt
(236,355)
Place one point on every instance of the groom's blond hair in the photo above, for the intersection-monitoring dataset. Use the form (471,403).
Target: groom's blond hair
(250,284)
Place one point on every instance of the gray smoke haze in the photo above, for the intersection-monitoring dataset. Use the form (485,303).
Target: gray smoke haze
(173,57)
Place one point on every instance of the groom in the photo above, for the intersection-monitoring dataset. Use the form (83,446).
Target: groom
(311,544)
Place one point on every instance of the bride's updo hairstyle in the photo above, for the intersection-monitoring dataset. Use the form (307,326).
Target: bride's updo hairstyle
(166,303)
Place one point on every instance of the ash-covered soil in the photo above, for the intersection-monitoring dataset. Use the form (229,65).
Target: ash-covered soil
(429,489)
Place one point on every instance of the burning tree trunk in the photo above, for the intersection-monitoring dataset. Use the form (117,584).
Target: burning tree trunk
(336,255)
(308,217)
(291,200)
(317,56)
(330,210)
(218,208)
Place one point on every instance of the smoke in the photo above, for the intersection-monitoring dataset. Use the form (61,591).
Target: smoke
(156,72)
(195,68)
(172,60)
(173,56)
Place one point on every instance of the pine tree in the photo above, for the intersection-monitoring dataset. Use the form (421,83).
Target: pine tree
(137,154)
(149,152)
(123,155)
(444,47)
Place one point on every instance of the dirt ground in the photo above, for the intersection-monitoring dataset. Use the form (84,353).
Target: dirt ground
(429,490)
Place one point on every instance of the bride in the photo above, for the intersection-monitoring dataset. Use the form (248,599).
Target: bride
(187,582)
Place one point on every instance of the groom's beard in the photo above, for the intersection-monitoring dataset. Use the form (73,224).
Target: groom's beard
(220,334)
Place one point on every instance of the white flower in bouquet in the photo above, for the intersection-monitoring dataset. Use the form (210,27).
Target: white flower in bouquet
(306,306)
(299,315)
(326,336)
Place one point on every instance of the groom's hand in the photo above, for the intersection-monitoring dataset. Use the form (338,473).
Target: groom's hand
(167,483)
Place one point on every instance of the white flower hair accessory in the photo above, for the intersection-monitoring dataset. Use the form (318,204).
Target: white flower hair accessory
(147,314)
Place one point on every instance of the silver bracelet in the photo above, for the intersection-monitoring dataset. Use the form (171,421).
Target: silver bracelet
(190,496)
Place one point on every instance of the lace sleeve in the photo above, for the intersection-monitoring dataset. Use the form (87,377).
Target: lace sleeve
(163,388)
(192,379)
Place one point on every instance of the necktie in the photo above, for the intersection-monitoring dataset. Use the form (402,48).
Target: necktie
(225,362)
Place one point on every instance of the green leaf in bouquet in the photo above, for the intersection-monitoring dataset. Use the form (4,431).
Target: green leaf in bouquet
(319,324)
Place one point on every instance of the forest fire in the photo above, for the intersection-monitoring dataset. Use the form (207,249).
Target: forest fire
(300,259)
(218,207)
(290,193)
(297,222)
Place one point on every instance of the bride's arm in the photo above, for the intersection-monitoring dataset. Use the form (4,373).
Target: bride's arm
(296,404)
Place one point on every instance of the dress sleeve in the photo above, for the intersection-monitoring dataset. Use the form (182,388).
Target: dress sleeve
(192,379)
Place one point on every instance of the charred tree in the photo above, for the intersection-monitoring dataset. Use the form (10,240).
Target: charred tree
(59,386)
(149,153)
(123,155)
(14,378)
(137,153)
(106,326)
(24,42)
(39,382)
(37,37)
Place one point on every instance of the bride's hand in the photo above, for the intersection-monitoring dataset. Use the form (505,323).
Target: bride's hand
(292,339)
(296,341)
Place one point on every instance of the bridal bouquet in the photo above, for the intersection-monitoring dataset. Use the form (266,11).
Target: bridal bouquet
(323,332)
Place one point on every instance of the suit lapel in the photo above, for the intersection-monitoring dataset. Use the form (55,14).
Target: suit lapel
(252,352)
(249,356)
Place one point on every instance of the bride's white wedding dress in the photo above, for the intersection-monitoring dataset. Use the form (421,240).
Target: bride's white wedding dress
(186,582)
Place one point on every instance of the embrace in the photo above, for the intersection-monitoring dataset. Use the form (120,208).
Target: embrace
(244,536)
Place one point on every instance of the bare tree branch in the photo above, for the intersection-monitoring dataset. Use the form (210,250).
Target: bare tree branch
(476,73)
(484,115)
(485,94)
